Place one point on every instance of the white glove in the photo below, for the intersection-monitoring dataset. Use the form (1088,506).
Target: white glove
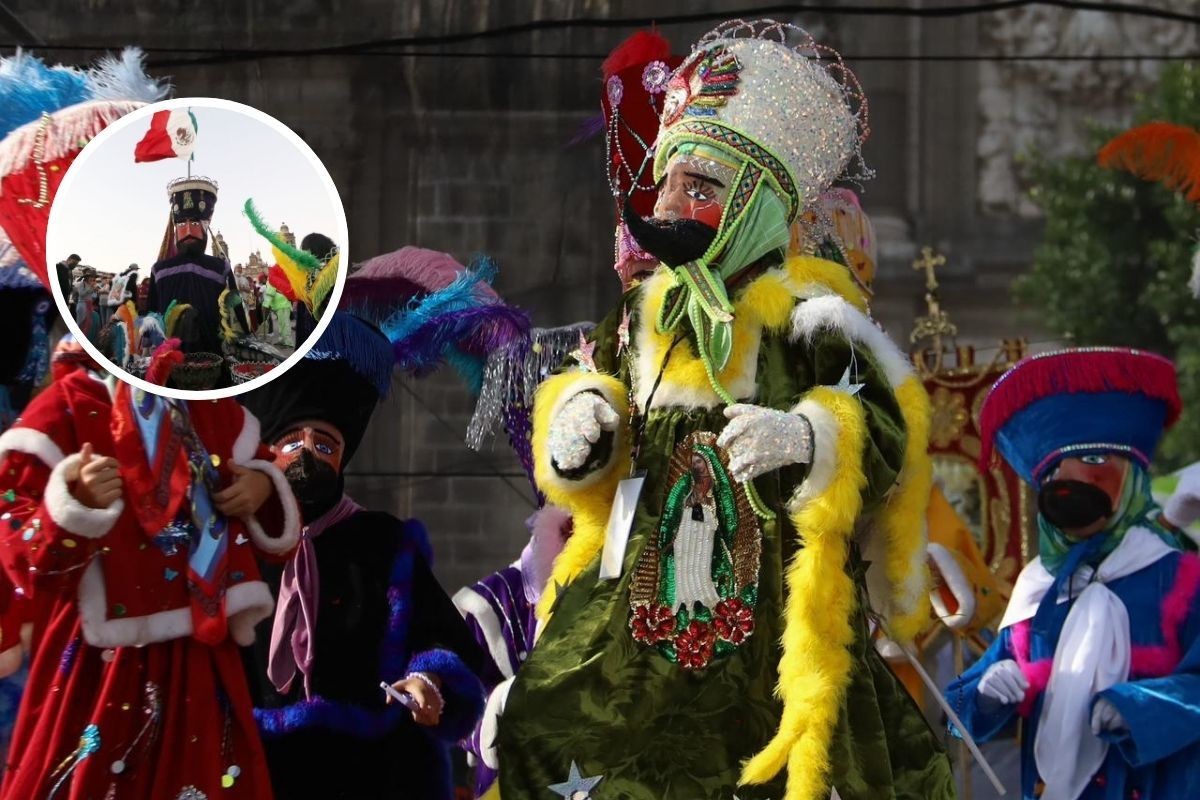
(577,427)
(1184,506)
(1004,682)
(1106,717)
(759,440)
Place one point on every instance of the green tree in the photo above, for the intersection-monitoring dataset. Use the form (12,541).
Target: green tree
(1114,263)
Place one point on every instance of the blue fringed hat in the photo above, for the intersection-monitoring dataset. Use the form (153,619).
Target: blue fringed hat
(1077,402)
(340,380)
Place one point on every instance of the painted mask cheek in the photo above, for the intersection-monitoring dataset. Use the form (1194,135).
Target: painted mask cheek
(287,451)
(707,211)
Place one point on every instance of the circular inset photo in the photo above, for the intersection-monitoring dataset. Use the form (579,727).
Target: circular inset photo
(199,244)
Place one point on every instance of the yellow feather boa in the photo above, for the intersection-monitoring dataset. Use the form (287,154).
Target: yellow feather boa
(589,503)
(815,668)
(904,518)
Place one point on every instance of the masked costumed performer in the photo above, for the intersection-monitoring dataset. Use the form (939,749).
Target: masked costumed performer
(185,273)
(132,526)
(358,605)
(770,417)
(1099,648)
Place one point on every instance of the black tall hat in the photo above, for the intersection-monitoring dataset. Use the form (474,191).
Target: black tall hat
(192,199)
(340,381)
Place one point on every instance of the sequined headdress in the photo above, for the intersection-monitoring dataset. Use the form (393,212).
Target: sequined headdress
(780,118)
(767,94)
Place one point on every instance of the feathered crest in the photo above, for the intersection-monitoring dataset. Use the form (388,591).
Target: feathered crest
(128,316)
(173,315)
(30,88)
(231,326)
(311,280)
(1158,151)
(166,357)
(435,311)
(277,279)
(640,48)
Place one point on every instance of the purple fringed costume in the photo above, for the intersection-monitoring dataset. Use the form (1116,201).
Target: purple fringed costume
(500,611)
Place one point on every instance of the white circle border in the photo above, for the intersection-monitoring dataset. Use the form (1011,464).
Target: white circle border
(143,114)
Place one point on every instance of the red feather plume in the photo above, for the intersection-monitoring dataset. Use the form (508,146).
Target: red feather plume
(166,357)
(279,280)
(1158,151)
(640,48)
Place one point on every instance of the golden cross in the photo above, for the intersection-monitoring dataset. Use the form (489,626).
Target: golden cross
(929,262)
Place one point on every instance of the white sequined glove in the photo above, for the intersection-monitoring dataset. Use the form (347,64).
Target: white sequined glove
(1004,682)
(759,440)
(1184,506)
(1106,717)
(577,427)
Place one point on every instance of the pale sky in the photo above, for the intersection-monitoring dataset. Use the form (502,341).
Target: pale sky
(116,211)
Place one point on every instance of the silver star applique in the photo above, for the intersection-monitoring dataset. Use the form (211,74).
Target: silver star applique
(584,355)
(845,386)
(576,787)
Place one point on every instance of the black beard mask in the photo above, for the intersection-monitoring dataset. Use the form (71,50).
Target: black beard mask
(1068,505)
(317,485)
(673,242)
(191,246)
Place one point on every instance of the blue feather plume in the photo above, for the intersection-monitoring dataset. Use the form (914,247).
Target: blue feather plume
(460,294)
(29,88)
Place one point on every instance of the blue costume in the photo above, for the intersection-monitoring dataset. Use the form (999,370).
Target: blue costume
(1102,635)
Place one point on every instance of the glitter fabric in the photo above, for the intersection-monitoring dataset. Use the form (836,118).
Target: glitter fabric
(695,586)
(510,378)
(615,89)
(760,440)
(655,77)
(794,99)
(577,427)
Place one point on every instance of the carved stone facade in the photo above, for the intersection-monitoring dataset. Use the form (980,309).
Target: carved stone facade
(1047,105)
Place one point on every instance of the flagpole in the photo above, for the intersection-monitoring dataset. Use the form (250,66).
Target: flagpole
(191,155)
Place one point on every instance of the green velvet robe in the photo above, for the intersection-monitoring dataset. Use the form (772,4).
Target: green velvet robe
(618,708)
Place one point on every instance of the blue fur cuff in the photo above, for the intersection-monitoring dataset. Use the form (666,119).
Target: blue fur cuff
(461,690)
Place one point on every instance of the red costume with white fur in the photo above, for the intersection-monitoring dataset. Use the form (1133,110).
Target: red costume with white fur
(135,647)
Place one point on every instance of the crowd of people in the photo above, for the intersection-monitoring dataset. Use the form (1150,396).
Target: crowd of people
(225,319)
(735,485)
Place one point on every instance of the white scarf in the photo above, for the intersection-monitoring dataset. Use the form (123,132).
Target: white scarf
(1093,654)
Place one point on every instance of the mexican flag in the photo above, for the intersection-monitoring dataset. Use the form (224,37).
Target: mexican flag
(172,134)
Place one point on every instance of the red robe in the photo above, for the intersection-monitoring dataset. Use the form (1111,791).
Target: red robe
(131,657)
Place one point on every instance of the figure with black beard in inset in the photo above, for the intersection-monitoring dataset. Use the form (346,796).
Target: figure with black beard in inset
(186,273)
(357,604)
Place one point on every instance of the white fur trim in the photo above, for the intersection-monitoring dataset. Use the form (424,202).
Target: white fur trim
(289,537)
(589,382)
(471,604)
(492,712)
(30,442)
(825,431)
(956,581)
(249,438)
(71,515)
(246,604)
(832,312)
(888,649)
(63,133)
